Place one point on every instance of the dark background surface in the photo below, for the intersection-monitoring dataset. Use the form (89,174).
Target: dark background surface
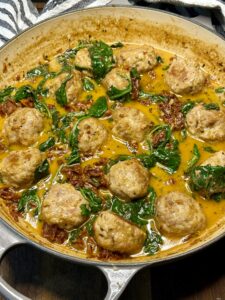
(41,276)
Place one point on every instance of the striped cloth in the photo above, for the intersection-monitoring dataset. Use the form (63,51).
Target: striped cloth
(17,15)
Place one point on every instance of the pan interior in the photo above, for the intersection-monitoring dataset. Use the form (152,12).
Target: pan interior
(128,25)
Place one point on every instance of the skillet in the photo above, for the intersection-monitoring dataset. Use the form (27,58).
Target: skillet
(127,24)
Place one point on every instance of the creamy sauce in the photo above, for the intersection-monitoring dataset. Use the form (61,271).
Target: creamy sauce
(160,180)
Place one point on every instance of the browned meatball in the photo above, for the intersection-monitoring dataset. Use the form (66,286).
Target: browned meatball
(23,126)
(115,234)
(130,124)
(83,59)
(73,86)
(17,169)
(217,159)
(206,124)
(118,78)
(128,179)
(92,135)
(185,76)
(142,57)
(62,206)
(179,214)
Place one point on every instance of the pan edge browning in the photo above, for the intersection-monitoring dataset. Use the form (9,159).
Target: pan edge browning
(106,28)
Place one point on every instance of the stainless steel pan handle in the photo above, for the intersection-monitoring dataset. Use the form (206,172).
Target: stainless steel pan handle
(118,279)
(9,239)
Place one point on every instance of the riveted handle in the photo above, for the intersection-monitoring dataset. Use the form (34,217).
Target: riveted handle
(118,278)
(9,239)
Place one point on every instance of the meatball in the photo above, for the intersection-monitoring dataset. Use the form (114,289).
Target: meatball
(23,126)
(83,59)
(17,169)
(115,234)
(118,78)
(130,124)
(143,58)
(73,86)
(217,159)
(179,214)
(206,124)
(62,206)
(185,76)
(128,179)
(92,135)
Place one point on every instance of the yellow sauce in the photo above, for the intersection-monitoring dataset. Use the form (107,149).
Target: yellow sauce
(160,180)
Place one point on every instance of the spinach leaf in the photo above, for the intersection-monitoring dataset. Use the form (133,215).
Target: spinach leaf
(152,242)
(117,45)
(41,70)
(42,170)
(28,200)
(73,143)
(207,179)
(98,109)
(47,144)
(168,156)
(95,202)
(187,107)
(211,106)
(87,84)
(159,60)
(209,149)
(137,212)
(60,94)
(5,93)
(24,92)
(165,130)
(148,160)
(218,197)
(154,98)
(195,158)
(115,160)
(220,90)
(88,226)
(134,73)
(116,94)
(101,59)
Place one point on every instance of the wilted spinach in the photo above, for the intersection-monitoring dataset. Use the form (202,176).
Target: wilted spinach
(152,242)
(211,106)
(42,170)
(95,202)
(187,107)
(154,98)
(98,109)
(137,212)
(195,158)
(28,200)
(209,149)
(208,179)
(60,94)
(5,93)
(117,45)
(88,226)
(220,90)
(47,144)
(87,84)
(102,59)
(24,92)
(41,70)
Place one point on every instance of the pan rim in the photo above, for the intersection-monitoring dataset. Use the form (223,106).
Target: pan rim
(88,261)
